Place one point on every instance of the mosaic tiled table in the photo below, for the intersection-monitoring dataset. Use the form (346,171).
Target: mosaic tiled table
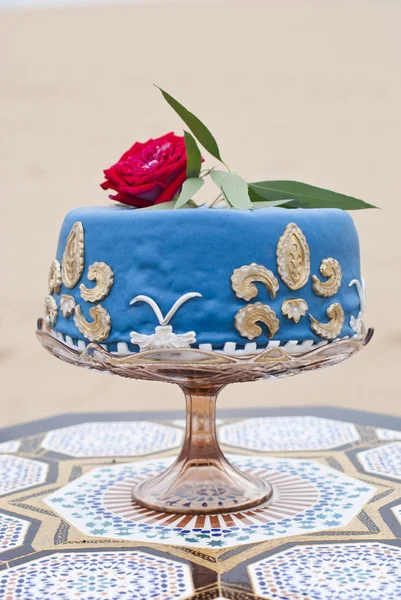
(69,530)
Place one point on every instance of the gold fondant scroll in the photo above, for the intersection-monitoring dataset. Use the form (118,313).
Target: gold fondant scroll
(330,267)
(330,330)
(99,329)
(51,312)
(247,317)
(243,280)
(54,279)
(104,277)
(67,305)
(293,257)
(73,257)
(294,308)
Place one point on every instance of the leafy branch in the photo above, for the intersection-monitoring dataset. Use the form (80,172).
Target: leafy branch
(236,192)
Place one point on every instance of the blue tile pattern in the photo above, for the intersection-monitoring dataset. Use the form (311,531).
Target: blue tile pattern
(117,575)
(383,460)
(362,571)
(17,473)
(99,504)
(12,532)
(9,447)
(113,438)
(286,434)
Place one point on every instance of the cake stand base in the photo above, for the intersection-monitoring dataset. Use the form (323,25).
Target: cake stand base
(201,480)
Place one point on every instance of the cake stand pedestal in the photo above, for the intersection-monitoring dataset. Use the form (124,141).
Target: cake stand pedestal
(201,480)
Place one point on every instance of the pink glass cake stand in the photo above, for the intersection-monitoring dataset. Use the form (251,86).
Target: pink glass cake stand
(201,480)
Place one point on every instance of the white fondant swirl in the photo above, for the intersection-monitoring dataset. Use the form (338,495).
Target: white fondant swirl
(164,337)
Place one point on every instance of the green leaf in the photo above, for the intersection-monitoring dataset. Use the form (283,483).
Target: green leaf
(304,195)
(257,197)
(200,131)
(189,189)
(194,158)
(269,204)
(234,188)
(162,206)
(192,204)
(260,202)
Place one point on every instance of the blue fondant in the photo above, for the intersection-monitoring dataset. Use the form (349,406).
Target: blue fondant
(165,254)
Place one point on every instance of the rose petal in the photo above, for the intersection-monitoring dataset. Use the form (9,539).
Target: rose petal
(131,200)
(135,148)
(175,167)
(136,190)
(169,193)
(113,175)
(149,172)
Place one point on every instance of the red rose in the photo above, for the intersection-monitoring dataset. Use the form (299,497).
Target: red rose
(149,173)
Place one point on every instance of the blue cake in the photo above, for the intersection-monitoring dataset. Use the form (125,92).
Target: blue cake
(232,281)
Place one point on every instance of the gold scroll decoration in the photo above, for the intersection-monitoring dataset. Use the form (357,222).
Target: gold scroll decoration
(72,264)
(99,329)
(293,257)
(294,308)
(67,305)
(330,330)
(54,279)
(330,268)
(243,280)
(104,277)
(247,317)
(51,312)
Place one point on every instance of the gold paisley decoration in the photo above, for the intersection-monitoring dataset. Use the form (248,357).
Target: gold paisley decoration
(51,312)
(54,279)
(104,277)
(293,257)
(294,308)
(330,330)
(330,268)
(247,317)
(67,305)
(99,329)
(243,280)
(73,257)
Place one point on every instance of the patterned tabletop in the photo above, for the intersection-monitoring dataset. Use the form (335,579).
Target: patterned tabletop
(69,530)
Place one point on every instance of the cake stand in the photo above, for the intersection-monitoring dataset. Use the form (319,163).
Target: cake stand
(201,480)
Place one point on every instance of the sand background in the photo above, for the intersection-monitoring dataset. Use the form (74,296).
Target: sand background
(292,89)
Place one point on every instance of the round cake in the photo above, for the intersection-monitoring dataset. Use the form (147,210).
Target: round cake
(232,281)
